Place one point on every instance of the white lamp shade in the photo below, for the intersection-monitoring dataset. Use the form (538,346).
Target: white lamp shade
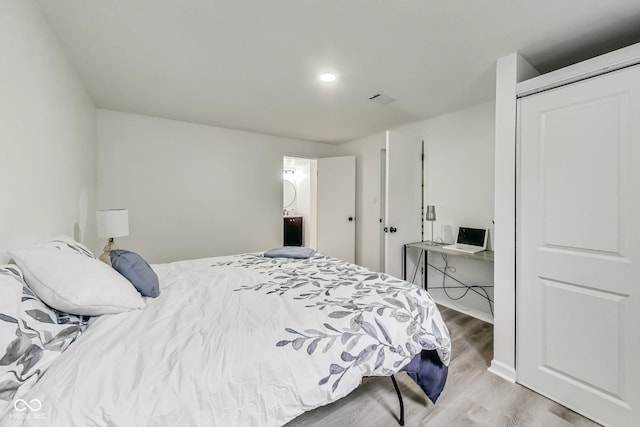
(431,213)
(113,223)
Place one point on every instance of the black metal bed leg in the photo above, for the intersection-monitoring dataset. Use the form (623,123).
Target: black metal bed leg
(395,385)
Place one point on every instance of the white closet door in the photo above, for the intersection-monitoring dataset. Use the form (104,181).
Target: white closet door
(337,207)
(403,198)
(578,246)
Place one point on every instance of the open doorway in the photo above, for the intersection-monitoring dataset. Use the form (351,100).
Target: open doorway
(383,205)
(299,196)
(401,196)
(320,195)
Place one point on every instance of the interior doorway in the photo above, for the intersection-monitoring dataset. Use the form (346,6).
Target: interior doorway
(383,206)
(299,195)
(401,194)
(320,194)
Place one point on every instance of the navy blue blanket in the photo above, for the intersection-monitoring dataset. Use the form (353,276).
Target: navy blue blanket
(428,372)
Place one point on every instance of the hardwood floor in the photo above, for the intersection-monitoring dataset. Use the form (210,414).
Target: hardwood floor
(472,396)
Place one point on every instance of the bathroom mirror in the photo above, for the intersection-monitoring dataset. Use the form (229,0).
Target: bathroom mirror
(289,194)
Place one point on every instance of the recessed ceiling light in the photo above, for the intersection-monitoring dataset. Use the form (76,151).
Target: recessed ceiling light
(327,77)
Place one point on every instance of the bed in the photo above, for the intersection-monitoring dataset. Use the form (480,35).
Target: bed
(234,341)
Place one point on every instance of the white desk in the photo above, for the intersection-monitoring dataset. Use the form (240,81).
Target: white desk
(426,247)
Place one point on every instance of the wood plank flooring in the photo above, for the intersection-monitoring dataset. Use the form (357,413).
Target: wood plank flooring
(472,396)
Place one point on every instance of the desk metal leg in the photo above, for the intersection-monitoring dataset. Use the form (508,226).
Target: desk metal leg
(395,385)
(425,266)
(404,262)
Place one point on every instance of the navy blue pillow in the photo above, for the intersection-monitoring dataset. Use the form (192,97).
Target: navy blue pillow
(137,271)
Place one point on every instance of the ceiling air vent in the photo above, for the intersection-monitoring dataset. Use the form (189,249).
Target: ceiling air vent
(382,99)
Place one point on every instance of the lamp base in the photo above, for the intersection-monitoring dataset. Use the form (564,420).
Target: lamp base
(106,255)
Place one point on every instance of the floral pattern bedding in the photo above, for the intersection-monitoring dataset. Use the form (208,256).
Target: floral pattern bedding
(372,299)
(239,340)
(33,335)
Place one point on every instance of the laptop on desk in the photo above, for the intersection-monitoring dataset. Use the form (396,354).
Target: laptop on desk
(470,240)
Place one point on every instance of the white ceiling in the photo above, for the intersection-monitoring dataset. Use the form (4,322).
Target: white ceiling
(254,64)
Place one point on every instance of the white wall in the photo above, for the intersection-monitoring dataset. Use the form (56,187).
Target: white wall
(367,152)
(459,167)
(459,182)
(192,190)
(47,135)
(463,139)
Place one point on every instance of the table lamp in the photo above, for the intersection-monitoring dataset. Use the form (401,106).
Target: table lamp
(111,223)
(431,217)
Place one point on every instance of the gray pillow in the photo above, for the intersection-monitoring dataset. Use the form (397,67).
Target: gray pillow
(296,252)
(137,271)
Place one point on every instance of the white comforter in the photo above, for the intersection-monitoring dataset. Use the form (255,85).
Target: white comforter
(237,341)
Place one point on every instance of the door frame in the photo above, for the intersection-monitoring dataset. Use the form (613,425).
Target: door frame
(383,204)
(310,231)
(404,204)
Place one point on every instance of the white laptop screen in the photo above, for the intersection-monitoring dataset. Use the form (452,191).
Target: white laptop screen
(471,236)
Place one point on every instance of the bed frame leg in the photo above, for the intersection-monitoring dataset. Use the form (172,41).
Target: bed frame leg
(395,385)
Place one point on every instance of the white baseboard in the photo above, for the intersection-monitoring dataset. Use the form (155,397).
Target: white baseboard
(503,370)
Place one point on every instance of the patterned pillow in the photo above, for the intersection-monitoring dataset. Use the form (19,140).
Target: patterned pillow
(66,244)
(31,337)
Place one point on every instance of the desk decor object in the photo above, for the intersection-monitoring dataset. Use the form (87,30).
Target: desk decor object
(431,217)
(111,223)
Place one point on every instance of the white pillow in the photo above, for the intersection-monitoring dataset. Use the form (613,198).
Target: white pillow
(76,284)
(66,244)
